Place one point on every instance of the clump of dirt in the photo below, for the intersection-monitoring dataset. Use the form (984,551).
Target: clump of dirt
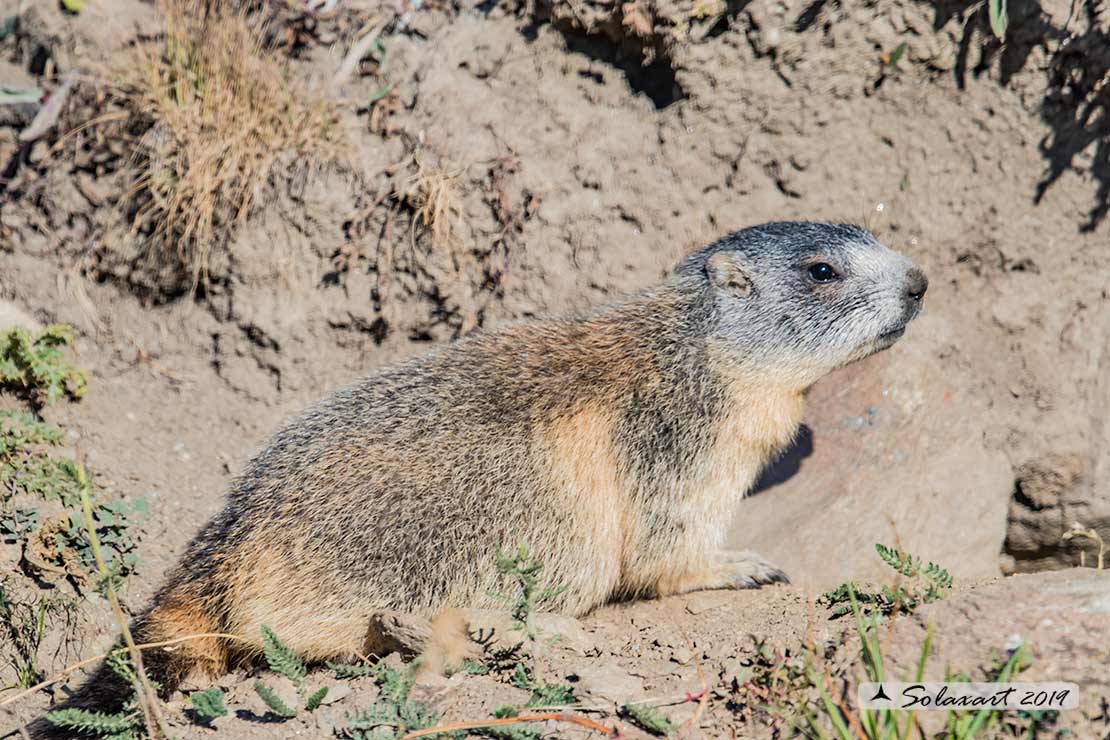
(1050,498)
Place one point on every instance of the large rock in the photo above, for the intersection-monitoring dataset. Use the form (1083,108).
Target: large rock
(894,455)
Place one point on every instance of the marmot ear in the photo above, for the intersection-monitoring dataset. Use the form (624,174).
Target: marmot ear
(725,272)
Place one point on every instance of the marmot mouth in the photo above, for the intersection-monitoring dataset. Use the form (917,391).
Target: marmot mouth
(892,335)
(888,338)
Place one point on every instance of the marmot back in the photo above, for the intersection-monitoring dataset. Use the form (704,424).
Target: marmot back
(615,445)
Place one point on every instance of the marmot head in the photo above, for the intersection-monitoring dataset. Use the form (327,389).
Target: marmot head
(801,299)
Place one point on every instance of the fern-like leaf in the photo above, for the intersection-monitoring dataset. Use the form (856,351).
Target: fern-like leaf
(315,699)
(938,576)
(551,695)
(352,670)
(907,565)
(93,723)
(273,701)
(208,704)
(281,659)
(385,720)
(120,663)
(650,719)
(395,684)
(474,668)
(522,731)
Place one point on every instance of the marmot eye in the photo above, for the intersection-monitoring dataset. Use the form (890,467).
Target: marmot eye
(823,272)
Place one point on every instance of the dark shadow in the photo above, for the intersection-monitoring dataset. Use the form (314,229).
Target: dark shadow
(788,464)
(611,44)
(1076,102)
(11,167)
(656,79)
(809,16)
(1077,108)
(269,718)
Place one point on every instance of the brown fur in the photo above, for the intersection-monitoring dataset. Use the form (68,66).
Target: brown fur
(616,446)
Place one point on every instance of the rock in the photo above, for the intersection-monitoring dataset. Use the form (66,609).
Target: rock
(682,655)
(609,682)
(495,630)
(896,457)
(1041,483)
(1047,499)
(329,720)
(397,632)
(567,631)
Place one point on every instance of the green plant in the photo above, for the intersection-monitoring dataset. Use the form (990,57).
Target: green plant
(928,582)
(938,578)
(393,714)
(126,724)
(352,670)
(890,61)
(26,468)
(208,704)
(20,430)
(35,365)
(996,12)
(24,622)
(116,726)
(281,659)
(649,718)
(891,724)
(385,720)
(543,694)
(395,683)
(113,522)
(284,662)
(771,686)
(16,524)
(475,668)
(518,567)
(273,702)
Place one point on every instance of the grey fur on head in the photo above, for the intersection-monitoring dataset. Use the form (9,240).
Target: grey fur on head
(770,312)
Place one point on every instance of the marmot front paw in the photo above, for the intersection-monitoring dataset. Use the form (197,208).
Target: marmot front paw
(747,569)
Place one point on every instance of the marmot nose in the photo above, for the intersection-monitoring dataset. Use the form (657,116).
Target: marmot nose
(916,284)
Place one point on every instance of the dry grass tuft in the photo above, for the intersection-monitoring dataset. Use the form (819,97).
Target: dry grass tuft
(433,194)
(218,119)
